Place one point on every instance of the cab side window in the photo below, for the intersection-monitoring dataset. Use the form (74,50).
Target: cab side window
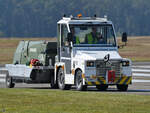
(110,36)
(64,32)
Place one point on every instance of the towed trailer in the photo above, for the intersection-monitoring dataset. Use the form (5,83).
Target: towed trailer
(33,63)
(69,62)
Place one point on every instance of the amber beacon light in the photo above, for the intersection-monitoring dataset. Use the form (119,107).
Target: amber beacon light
(79,15)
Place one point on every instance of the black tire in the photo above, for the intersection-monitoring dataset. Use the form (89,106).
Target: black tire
(102,87)
(122,87)
(52,84)
(9,82)
(79,81)
(61,80)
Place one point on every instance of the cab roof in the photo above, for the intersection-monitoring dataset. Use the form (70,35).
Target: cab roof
(84,20)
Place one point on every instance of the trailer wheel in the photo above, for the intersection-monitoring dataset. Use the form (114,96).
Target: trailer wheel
(61,80)
(102,87)
(122,87)
(79,82)
(9,82)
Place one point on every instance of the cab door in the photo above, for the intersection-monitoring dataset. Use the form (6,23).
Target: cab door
(65,49)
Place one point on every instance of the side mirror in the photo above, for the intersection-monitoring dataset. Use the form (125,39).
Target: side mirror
(69,37)
(124,37)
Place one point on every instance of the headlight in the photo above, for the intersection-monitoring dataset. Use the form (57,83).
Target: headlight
(90,64)
(125,63)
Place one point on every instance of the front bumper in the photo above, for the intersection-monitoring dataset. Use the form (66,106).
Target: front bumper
(124,80)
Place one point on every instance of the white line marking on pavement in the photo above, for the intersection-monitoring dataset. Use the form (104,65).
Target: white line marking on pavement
(2,80)
(2,75)
(141,66)
(3,68)
(140,70)
(136,80)
(141,74)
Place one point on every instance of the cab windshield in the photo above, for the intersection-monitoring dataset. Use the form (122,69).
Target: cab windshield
(93,35)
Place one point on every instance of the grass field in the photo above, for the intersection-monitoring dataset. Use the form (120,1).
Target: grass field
(137,48)
(57,101)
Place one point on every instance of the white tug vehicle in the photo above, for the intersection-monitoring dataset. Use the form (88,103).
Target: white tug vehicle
(90,62)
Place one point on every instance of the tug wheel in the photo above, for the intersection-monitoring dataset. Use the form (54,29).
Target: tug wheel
(61,80)
(79,81)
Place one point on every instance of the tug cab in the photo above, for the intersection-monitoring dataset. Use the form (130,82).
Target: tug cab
(88,59)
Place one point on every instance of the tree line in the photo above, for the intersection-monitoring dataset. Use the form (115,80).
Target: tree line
(38,18)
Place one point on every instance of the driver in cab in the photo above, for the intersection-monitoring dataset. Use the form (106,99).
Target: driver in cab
(94,37)
(75,38)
